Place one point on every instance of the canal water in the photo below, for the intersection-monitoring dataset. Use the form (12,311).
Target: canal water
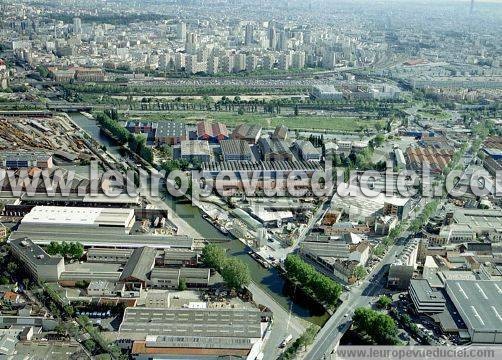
(269,280)
(94,130)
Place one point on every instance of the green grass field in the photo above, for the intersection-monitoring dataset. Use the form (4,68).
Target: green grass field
(301,122)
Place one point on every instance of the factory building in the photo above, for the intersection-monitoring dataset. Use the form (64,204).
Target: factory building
(478,303)
(25,159)
(307,151)
(195,151)
(199,333)
(42,266)
(211,132)
(247,132)
(159,133)
(114,220)
(170,278)
(236,150)
(274,150)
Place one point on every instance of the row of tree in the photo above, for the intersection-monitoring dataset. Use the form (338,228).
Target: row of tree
(114,127)
(137,143)
(69,250)
(234,272)
(323,287)
(379,327)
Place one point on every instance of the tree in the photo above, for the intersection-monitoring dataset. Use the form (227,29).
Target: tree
(60,329)
(90,345)
(324,288)
(359,272)
(4,280)
(378,140)
(26,283)
(213,256)
(12,268)
(384,302)
(53,248)
(182,286)
(308,336)
(381,328)
(235,273)
(76,250)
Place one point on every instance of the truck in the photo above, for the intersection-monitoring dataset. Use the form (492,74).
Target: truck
(286,341)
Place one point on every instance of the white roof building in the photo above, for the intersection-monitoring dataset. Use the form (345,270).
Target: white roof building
(79,216)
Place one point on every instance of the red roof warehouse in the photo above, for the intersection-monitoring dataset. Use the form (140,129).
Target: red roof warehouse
(212,132)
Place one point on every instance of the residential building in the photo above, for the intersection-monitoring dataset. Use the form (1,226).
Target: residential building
(398,207)
(401,271)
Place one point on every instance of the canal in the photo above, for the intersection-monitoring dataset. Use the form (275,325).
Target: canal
(93,129)
(269,280)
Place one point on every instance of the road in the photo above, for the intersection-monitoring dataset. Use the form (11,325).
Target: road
(283,322)
(360,295)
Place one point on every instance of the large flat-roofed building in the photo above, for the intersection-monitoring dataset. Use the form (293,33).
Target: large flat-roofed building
(97,237)
(195,150)
(42,266)
(326,92)
(194,333)
(26,159)
(80,217)
(479,220)
(247,132)
(426,299)
(354,201)
(235,150)
(478,303)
